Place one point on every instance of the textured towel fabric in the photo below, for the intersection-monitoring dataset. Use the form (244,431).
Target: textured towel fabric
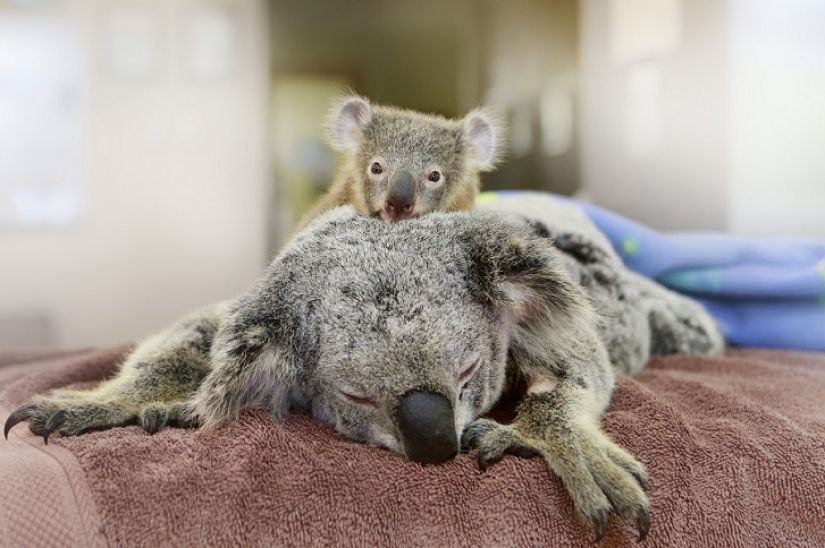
(766,293)
(735,447)
(46,499)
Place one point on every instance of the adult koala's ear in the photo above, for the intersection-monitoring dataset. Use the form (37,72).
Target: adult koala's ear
(347,120)
(253,362)
(522,276)
(484,134)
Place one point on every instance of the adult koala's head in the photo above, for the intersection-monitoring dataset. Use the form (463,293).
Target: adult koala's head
(396,335)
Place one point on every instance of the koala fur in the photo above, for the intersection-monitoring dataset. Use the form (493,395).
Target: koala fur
(400,164)
(638,315)
(403,335)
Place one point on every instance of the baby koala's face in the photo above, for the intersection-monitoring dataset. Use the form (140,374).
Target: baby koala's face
(404,164)
(409,164)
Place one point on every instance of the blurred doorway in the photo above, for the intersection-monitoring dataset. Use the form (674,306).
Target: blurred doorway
(519,58)
(303,165)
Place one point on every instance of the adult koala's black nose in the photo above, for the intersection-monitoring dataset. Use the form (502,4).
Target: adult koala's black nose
(427,424)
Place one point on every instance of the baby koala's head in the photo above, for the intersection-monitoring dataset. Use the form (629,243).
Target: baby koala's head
(404,164)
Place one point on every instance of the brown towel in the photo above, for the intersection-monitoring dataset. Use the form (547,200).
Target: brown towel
(735,448)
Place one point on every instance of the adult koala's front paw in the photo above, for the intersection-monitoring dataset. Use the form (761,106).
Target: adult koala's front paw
(598,474)
(74,412)
(493,441)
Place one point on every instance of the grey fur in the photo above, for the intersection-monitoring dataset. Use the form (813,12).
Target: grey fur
(357,314)
(408,146)
(639,316)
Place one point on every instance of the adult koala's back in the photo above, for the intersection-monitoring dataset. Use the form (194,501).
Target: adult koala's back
(639,317)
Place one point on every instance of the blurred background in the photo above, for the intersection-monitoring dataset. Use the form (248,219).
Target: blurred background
(154,154)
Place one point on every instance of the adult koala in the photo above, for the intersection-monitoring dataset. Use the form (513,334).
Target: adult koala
(403,335)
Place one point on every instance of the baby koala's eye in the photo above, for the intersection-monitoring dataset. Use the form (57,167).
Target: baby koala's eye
(376,168)
(356,397)
(434,177)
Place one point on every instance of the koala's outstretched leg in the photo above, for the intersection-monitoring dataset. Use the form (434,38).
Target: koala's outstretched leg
(563,427)
(150,389)
(75,412)
(677,324)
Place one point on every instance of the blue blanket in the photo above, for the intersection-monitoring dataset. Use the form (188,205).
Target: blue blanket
(767,293)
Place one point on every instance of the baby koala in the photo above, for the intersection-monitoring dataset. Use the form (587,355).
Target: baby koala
(404,335)
(399,164)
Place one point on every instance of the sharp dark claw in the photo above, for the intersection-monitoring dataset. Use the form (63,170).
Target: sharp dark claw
(466,446)
(153,424)
(484,461)
(468,441)
(54,422)
(644,524)
(600,521)
(17,416)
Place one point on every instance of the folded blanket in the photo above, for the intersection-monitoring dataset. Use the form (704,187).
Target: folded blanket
(767,293)
(735,446)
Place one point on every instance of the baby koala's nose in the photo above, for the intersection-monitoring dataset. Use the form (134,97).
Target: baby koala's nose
(427,425)
(398,211)
(401,197)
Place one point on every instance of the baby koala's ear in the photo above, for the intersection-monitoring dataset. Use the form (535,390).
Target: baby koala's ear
(485,135)
(348,118)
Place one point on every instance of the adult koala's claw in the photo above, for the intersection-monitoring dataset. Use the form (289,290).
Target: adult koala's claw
(487,459)
(600,521)
(643,521)
(640,478)
(55,421)
(22,413)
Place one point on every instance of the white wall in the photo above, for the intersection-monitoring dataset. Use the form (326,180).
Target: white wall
(654,93)
(175,189)
(706,114)
(777,118)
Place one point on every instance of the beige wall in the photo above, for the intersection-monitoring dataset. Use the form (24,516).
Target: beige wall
(532,76)
(176,191)
(777,118)
(654,99)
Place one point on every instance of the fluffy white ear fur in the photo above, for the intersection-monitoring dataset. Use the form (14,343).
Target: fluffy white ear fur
(348,117)
(485,135)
